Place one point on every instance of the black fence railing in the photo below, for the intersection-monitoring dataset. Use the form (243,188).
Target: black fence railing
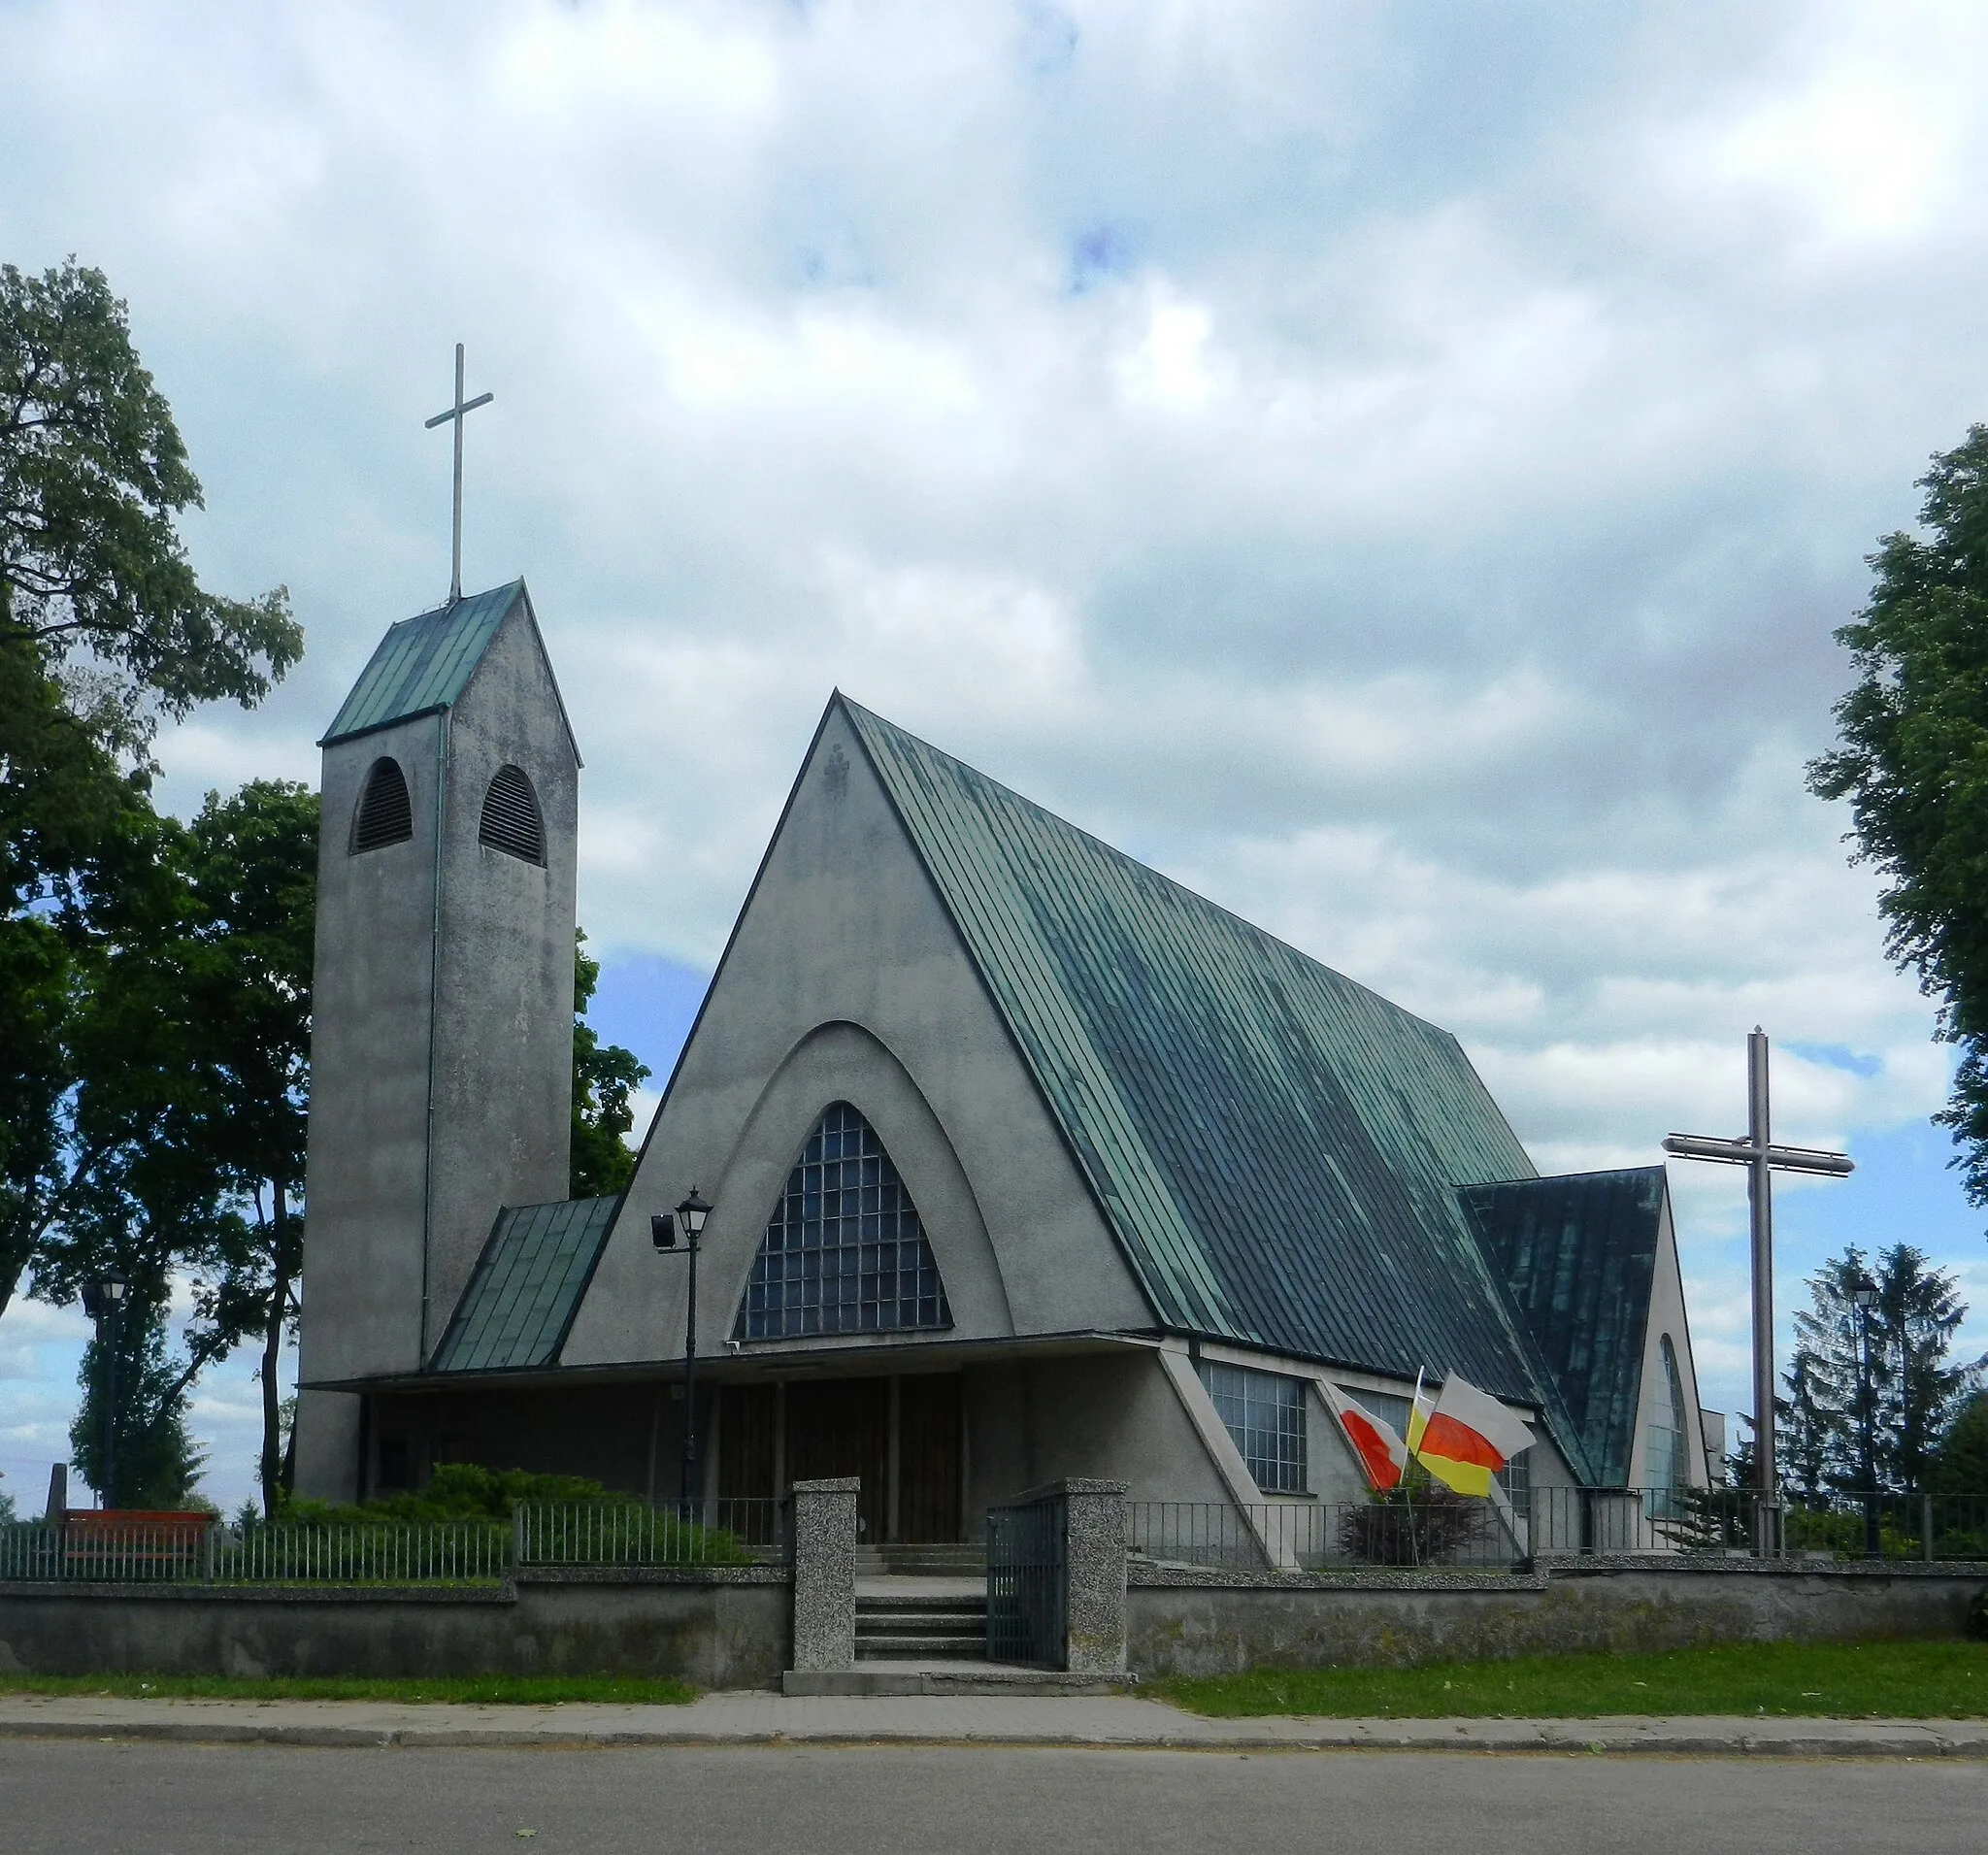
(1837,1526)
(1439,1529)
(476,1550)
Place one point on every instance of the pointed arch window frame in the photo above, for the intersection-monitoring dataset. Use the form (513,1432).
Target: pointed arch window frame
(844,1251)
(384,814)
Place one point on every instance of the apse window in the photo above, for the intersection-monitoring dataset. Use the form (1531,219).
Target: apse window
(1264,1415)
(385,814)
(512,823)
(843,1252)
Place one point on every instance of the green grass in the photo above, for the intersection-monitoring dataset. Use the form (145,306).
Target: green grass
(507,1690)
(1896,1680)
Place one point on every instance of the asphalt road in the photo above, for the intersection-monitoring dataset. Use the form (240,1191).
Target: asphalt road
(137,1799)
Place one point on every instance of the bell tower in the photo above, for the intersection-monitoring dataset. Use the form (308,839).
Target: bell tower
(441,1017)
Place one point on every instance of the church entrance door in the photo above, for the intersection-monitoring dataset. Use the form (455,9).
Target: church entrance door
(899,1436)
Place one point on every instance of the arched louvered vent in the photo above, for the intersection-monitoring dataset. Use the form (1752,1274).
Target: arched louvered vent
(511,817)
(385,814)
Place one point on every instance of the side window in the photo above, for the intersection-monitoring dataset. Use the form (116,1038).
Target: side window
(1664,1465)
(1264,1415)
(512,821)
(385,814)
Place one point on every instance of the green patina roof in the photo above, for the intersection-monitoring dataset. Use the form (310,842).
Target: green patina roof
(527,1284)
(1276,1147)
(1578,1254)
(423,664)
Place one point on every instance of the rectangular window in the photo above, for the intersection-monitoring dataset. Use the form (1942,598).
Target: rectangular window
(1264,1412)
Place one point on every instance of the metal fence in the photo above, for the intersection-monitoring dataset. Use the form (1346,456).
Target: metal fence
(725,1532)
(1741,1521)
(1436,1530)
(462,1551)
(1028,1585)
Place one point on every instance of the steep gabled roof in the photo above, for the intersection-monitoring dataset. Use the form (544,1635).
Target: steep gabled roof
(527,1284)
(424,663)
(1578,1256)
(1276,1147)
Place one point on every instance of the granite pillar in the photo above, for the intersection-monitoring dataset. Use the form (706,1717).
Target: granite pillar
(1094,1571)
(825,1574)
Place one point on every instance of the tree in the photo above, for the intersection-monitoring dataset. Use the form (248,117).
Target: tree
(603,1076)
(1912,1389)
(92,472)
(1961,1466)
(251,865)
(158,1464)
(104,628)
(1913,759)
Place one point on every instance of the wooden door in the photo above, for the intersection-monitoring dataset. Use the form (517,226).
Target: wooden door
(842,1427)
(928,1419)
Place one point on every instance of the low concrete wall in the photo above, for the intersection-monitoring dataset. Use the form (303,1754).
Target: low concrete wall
(718,1628)
(1183,1622)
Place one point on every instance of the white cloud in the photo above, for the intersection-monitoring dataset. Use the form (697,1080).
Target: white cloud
(1397,470)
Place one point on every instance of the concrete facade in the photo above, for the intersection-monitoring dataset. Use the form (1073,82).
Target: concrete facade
(441,1034)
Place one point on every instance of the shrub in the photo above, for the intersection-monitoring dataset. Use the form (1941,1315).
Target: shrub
(1419,1527)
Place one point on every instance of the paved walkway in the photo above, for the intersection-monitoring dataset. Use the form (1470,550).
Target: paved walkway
(1113,1722)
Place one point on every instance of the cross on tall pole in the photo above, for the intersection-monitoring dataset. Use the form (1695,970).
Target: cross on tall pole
(455,416)
(1756,1151)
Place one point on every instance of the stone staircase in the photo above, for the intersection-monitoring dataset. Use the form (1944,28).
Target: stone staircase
(921,1562)
(911,1626)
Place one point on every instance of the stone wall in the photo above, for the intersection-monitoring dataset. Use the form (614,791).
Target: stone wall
(718,1627)
(1188,1623)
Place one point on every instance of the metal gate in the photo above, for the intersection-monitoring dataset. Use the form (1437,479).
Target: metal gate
(1027,1583)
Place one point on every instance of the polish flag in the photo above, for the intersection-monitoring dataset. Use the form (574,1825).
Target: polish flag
(1382,1453)
(1467,1437)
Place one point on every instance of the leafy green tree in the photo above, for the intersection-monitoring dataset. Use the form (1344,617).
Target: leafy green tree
(1961,1466)
(251,866)
(1912,1387)
(603,1076)
(157,1465)
(1912,761)
(103,629)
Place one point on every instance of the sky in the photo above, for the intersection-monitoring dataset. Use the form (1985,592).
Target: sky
(1395,468)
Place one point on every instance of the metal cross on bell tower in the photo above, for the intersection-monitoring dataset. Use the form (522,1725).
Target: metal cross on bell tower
(455,416)
(1756,1151)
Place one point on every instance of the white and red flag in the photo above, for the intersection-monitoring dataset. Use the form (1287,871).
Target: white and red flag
(1381,1452)
(1467,1437)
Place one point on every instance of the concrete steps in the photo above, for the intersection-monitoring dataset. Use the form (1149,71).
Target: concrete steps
(921,1562)
(921,1627)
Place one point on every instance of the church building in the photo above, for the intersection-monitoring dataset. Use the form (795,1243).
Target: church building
(1024,1161)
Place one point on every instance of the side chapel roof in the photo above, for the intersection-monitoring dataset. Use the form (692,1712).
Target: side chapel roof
(1578,1254)
(424,664)
(1276,1147)
(526,1286)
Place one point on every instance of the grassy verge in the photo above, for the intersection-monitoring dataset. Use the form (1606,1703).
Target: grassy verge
(521,1690)
(1896,1680)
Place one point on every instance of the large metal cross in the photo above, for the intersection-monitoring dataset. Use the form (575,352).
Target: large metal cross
(1756,1151)
(454,415)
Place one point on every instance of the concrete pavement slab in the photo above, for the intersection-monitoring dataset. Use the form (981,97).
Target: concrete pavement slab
(1121,1722)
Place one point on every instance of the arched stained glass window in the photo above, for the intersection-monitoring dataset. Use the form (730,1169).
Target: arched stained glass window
(1664,1456)
(844,1250)
(385,814)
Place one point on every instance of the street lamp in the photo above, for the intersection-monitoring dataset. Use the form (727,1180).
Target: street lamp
(689,1219)
(1864,1293)
(101,1301)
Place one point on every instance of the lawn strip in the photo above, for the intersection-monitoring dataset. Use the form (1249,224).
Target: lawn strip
(1890,1681)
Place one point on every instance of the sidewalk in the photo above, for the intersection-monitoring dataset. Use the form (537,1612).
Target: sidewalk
(1112,1723)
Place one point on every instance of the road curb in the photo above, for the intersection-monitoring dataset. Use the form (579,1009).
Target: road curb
(1899,1740)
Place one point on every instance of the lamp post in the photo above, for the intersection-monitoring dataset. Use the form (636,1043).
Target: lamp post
(688,1219)
(1864,1293)
(101,1301)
